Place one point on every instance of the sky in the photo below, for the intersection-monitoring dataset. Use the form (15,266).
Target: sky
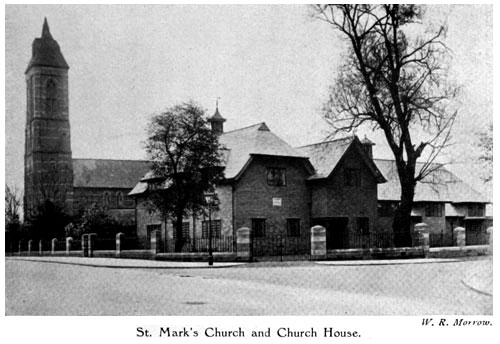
(270,64)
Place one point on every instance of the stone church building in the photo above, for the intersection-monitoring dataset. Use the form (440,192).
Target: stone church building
(274,189)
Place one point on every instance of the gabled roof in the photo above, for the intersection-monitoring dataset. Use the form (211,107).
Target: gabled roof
(326,156)
(46,51)
(244,143)
(101,173)
(440,186)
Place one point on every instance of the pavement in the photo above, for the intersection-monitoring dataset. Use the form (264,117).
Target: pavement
(480,281)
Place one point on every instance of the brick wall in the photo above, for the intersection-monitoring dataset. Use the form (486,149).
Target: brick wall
(253,197)
(333,198)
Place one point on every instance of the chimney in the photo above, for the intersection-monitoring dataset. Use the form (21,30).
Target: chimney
(368,146)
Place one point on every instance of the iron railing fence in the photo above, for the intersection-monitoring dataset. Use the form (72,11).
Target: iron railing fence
(441,239)
(280,245)
(219,244)
(476,238)
(377,240)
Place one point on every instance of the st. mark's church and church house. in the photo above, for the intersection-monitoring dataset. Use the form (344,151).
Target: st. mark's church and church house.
(270,186)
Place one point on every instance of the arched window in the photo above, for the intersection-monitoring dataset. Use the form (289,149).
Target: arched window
(51,105)
(106,198)
(119,199)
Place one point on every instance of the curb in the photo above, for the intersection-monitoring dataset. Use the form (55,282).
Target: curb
(128,267)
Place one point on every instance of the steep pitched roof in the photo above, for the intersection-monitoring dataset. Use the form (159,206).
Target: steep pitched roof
(325,156)
(46,51)
(97,173)
(257,139)
(439,186)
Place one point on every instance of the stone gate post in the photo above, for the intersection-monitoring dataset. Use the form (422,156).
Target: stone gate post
(53,246)
(92,239)
(244,244)
(459,236)
(118,249)
(30,244)
(40,248)
(69,240)
(422,232)
(318,242)
(85,246)
(155,242)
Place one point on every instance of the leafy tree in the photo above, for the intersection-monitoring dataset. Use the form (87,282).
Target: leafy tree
(95,219)
(185,163)
(393,79)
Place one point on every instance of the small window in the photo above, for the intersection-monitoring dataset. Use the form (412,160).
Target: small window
(433,210)
(352,177)
(53,165)
(216,229)
(363,225)
(185,231)
(105,199)
(475,210)
(276,176)
(259,227)
(119,199)
(293,227)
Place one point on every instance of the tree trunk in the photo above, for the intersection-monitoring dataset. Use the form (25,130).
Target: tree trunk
(179,242)
(401,225)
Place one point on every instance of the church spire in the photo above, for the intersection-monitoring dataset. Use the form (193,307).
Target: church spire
(46,30)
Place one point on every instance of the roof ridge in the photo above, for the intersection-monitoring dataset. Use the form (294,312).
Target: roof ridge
(330,141)
(102,159)
(247,127)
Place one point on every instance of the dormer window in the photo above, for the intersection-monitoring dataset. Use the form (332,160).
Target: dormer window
(276,176)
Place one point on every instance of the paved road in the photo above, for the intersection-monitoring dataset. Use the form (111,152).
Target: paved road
(305,288)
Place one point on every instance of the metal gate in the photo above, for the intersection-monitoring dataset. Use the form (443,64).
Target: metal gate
(280,245)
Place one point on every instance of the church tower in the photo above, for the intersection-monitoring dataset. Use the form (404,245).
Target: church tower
(48,168)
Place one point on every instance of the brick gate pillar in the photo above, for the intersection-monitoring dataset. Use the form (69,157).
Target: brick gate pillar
(244,244)
(459,236)
(118,249)
(422,232)
(318,242)
(155,242)
(92,239)
(69,240)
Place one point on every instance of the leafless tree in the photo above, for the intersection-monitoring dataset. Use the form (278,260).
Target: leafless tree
(485,144)
(13,199)
(393,80)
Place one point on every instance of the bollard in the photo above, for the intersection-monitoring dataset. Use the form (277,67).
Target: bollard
(422,231)
(69,240)
(30,244)
(459,233)
(118,249)
(53,248)
(318,242)
(40,247)
(244,244)
(91,247)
